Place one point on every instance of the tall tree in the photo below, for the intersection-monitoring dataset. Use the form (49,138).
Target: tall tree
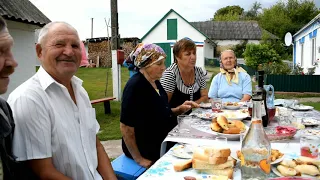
(253,12)
(228,13)
(289,15)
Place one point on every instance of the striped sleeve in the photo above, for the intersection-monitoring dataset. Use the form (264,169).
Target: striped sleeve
(168,81)
(202,77)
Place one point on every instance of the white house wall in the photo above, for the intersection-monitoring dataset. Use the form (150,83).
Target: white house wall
(208,50)
(23,51)
(307,47)
(159,35)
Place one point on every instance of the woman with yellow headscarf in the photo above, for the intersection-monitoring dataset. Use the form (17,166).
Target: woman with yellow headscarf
(232,84)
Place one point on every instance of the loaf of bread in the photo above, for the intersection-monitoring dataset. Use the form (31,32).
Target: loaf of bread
(212,155)
(197,164)
(217,152)
(224,172)
(307,169)
(286,171)
(182,165)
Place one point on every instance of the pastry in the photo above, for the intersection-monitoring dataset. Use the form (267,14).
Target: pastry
(307,169)
(286,171)
(215,127)
(223,122)
(240,125)
(233,130)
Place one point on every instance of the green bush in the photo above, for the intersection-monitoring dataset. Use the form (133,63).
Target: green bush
(276,68)
(256,54)
(239,48)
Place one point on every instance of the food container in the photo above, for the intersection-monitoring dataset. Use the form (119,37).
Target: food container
(280,133)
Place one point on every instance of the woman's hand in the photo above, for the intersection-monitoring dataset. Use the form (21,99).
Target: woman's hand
(144,162)
(187,105)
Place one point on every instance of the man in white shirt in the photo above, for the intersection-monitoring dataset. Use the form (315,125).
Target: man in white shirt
(56,125)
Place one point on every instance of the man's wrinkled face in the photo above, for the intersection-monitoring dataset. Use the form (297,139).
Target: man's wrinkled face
(60,52)
(7,62)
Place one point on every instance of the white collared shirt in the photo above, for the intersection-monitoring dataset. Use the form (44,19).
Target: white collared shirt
(50,125)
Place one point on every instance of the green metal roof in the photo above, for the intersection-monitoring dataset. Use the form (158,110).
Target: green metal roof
(164,17)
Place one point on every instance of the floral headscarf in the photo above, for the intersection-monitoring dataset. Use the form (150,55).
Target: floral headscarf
(144,55)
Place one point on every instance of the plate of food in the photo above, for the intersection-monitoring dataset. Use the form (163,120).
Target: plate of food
(303,166)
(276,156)
(235,115)
(205,115)
(205,105)
(231,105)
(222,127)
(312,132)
(182,151)
(310,122)
(301,107)
(280,132)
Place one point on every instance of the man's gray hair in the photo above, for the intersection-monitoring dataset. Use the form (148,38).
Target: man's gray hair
(3,25)
(44,31)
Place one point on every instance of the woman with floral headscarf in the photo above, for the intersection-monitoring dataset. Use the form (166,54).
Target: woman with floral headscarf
(232,84)
(145,112)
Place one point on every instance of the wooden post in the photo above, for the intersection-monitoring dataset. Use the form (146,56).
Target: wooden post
(116,68)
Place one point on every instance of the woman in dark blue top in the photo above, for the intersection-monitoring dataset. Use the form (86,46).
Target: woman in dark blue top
(146,117)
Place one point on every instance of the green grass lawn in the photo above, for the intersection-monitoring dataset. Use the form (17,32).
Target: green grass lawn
(94,81)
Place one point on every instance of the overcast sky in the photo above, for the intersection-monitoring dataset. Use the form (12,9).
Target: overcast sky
(136,17)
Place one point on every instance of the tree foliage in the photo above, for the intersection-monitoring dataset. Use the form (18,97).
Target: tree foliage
(253,12)
(256,54)
(228,13)
(287,16)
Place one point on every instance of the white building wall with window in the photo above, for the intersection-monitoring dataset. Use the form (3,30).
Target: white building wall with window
(306,49)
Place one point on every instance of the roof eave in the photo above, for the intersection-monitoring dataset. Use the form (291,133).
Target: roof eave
(11,18)
(307,25)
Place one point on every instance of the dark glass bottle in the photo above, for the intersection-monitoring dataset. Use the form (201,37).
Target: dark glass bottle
(264,110)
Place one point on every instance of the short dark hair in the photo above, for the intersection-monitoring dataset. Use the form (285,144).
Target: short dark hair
(182,45)
(3,24)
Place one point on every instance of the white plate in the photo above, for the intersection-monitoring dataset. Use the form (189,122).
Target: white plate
(205,115)
(234,155)
(301,108)
(232,107)
(182,151)
(205,105)
(310,122)
(206,128)
(235,115)
(275,171)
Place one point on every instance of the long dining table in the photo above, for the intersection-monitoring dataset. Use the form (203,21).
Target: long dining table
(199,135)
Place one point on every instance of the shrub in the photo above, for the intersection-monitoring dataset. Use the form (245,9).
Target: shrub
(240,48)
(256,54)
(276,68)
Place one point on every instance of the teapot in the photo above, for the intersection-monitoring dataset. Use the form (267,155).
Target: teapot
(270,95)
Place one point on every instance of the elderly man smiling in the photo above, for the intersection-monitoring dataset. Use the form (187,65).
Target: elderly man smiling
(56,124)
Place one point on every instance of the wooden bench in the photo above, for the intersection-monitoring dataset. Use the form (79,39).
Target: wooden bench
(106,101)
